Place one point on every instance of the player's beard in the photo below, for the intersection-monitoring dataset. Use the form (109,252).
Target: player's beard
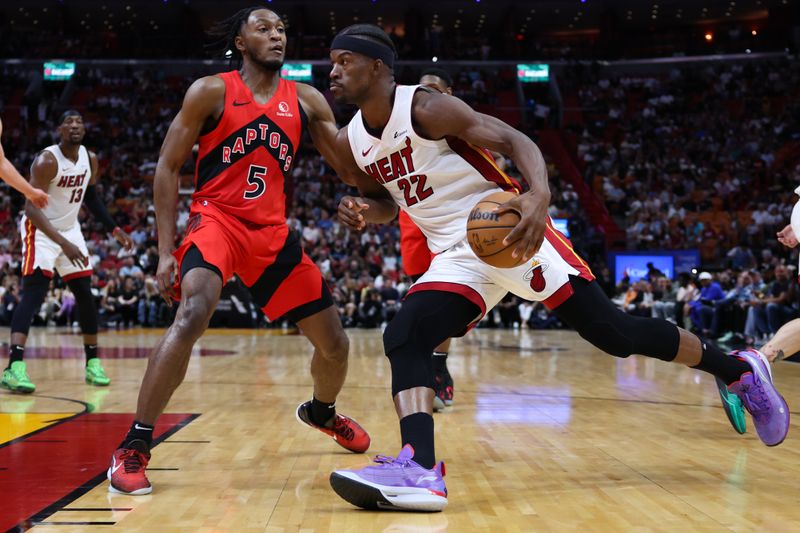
(272,65)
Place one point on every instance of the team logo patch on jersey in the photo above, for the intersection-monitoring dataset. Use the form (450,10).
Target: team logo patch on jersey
(283,110)
(535,275)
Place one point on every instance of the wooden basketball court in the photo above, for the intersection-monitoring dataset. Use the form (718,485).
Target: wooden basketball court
(546,434)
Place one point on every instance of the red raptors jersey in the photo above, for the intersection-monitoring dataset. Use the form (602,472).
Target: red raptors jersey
(244,162)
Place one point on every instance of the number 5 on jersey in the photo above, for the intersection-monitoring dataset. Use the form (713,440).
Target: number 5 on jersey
(256,178)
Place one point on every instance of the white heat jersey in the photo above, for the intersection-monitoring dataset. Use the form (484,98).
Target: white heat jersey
(436,182)
(67,188)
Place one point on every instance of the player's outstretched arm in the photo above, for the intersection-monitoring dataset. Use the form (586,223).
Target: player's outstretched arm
(488,132)
(10,175)
(43,170)
(204,100)
(375,205)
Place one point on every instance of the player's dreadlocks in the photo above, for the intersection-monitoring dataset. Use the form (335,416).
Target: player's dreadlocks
(225,33)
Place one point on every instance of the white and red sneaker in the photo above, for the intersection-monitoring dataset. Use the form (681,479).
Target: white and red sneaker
(126,475)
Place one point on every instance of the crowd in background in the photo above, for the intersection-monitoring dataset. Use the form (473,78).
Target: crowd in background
(687,159)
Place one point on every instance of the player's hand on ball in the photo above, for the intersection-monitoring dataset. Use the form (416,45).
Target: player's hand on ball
(123,238)
(38,198)
(532,209)
(74,254)
(350,208)
(167,266)
(787,237)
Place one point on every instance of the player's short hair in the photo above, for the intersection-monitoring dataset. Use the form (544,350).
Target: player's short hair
(225,32)
(441,74)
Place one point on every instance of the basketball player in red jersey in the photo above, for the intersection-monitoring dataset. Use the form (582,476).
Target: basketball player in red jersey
(10,175)
(248,123)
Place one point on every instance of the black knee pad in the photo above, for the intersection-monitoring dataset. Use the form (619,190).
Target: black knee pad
(599,321)
(426,319)
(622,335)
(84,299)
(34,290)
(610,337)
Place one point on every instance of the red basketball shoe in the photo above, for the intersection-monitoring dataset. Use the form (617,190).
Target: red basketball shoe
(344,430)
(126,473)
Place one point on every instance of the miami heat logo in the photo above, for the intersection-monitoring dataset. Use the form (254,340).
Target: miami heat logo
(535,275)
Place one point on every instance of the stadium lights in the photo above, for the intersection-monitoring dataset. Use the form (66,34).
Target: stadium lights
(434,59)
(754,33)
(709,36)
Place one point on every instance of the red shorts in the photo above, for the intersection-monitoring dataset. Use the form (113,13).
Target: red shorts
(414,251)
(268,259)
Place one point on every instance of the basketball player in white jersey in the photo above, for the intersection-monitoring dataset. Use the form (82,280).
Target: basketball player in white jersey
(786,341)
(10,175)
(52,242)
(418,148)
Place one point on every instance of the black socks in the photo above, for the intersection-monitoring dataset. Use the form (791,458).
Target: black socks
(90,350)
(321,412)
(417,430)
(715,361)
(139,431)
(439,362)
(15,353)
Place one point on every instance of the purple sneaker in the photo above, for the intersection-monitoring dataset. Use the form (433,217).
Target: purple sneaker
(760,397)
(393,484)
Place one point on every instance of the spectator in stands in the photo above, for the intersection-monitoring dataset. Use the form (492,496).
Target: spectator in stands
(130,269)
(664,299)
(128,302)
(730,313)
(9,299)
(701,310)
(370,309)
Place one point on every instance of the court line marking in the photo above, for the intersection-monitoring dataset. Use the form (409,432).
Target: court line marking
(59,504)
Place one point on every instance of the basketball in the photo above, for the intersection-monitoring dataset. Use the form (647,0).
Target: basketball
(486,231)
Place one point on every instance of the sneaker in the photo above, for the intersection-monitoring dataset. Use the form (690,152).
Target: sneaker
(760,397)
(448,388)
(393,484)
(438,403)
(16,378)
(439,392)
(126,475)
(95,375)
(443,390)
(344,430)
(733,407)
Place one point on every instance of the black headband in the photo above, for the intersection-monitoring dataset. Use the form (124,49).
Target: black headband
(364,46)
(68,113)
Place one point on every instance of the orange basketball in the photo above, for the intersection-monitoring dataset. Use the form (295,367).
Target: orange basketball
(486,231)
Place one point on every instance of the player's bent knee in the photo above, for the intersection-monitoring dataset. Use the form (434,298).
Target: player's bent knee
(193,317)
(337,347)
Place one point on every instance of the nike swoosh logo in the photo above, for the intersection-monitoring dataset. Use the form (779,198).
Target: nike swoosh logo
(398,134)
(426,478)
(237,104)
(364,154)
(114,465)
(137,426)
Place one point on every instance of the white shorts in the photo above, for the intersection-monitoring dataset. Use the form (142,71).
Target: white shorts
(543,278)
(39,251)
